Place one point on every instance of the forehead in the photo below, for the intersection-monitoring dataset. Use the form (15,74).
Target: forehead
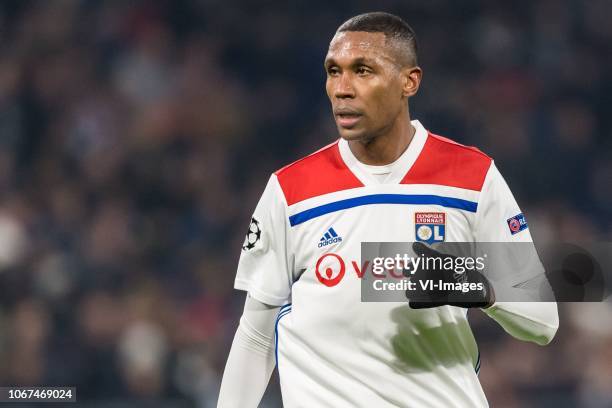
(359,44)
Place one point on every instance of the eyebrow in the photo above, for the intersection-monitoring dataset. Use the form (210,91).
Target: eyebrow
(355,62)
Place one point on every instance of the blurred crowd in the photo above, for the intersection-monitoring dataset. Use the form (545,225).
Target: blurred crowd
(137,136)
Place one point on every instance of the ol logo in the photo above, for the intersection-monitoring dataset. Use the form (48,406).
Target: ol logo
(329,263)
(429,227)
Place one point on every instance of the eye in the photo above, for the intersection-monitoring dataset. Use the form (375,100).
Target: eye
(332,71)
(363,70)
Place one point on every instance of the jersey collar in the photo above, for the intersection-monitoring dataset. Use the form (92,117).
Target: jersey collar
(399,168)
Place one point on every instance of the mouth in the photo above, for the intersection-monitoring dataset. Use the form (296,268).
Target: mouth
(347,118)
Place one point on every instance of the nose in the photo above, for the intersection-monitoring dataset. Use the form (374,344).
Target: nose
(344,87)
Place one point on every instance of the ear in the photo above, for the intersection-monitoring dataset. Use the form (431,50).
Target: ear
(411,80)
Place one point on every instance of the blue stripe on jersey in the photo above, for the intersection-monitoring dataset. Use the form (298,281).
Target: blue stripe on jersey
(333,232)
(315,212)
(285,310)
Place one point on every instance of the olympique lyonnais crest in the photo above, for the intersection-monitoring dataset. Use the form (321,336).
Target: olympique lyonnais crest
(429,227)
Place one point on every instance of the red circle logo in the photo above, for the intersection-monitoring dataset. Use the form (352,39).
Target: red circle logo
(329,280)
(514,225)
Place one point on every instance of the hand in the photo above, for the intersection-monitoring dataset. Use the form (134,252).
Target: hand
(430,276)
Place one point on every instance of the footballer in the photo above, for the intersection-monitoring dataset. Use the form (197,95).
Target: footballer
(385,178)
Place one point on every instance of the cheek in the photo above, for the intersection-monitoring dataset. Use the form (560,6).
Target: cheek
(385,102)
(329,86)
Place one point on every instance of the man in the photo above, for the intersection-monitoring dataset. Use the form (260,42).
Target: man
(300,262)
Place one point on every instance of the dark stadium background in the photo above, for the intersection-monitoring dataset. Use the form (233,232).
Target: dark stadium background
(136,138)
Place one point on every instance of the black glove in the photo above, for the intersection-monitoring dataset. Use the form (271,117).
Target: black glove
(454,293)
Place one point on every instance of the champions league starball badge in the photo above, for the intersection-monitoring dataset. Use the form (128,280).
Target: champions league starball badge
(429,227)
(252,236)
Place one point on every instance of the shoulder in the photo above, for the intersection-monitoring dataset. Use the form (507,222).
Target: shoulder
(446,162)
(319,173)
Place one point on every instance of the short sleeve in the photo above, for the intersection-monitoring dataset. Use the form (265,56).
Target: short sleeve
(264,269)
(499,220)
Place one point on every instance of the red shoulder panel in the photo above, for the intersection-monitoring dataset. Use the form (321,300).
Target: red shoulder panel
(320,173)
(445,162)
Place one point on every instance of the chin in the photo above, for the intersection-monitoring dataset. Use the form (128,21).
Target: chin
(352,134)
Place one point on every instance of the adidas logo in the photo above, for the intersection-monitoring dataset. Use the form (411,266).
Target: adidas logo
(330,237)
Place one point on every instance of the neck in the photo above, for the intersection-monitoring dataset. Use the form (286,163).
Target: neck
(386,147)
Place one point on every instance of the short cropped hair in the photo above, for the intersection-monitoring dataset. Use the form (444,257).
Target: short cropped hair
(394,29)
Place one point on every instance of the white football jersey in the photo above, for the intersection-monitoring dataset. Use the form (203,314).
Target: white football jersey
(303,252)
